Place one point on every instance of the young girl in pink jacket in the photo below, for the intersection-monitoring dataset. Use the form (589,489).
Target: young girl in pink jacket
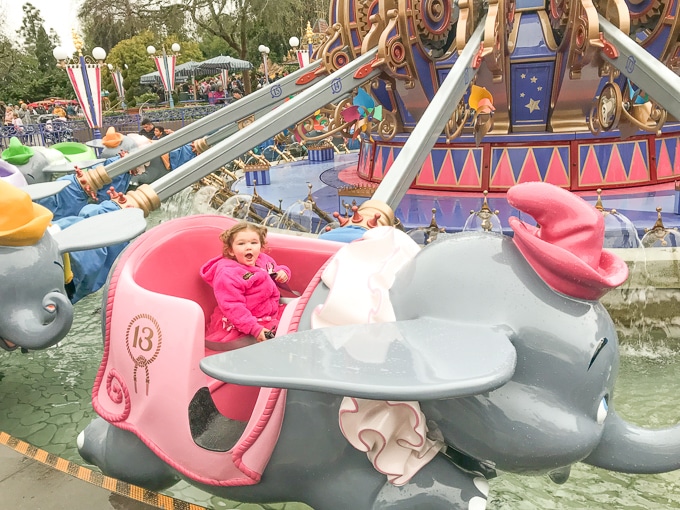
(244,281)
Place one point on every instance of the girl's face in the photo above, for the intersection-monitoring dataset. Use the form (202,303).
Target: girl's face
(246,247)
(157,131)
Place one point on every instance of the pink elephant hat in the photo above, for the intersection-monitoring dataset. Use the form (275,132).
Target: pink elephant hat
(566,248)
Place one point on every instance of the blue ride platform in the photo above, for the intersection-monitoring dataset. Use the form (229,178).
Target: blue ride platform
(333,181)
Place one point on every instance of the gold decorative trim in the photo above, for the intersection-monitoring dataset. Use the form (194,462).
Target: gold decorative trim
(144,198)
(93,180)
(512,38)
(550,41)
(200,146)
(245,121)
(366,191)
(256,167)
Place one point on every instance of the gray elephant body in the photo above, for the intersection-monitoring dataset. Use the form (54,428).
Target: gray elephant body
(554,410)
(131,143)
(36,313)
(312,462)
(42,157)
(153,172)
(36,310)
(546,416)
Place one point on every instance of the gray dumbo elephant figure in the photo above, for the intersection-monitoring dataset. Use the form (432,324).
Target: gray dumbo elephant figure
(36,312)
(115,143)
(413,376)
(31,161)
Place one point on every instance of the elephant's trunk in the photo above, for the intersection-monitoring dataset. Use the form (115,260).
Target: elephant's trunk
(42,328)
(628,448)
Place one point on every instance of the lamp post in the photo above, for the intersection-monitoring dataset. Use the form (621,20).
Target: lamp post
(294,42)
(165,64)
(301,55)
(85,75)
(117,77)
(264,51)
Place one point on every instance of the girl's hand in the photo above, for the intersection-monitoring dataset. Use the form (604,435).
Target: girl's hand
(281,276)
(262,337)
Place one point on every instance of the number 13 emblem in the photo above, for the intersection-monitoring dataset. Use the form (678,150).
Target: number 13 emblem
(143,340)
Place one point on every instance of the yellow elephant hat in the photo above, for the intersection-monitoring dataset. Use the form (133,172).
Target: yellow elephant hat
(112,139)
(22,222)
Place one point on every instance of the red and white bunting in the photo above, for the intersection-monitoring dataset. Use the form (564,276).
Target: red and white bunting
(166,68)
(303,58)
(90,98)
(118,82)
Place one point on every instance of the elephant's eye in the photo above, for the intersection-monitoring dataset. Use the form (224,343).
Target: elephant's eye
(598,349)
(602,411)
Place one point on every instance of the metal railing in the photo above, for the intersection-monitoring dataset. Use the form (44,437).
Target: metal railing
(55,130)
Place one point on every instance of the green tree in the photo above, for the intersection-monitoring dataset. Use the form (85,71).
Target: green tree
(132,53)
(232,21)
(27,67)
(107,22)
(245,24)
(35,39)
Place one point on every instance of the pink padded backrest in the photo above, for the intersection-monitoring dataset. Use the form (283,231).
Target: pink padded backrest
(172,265)
(146,387)
(174,257)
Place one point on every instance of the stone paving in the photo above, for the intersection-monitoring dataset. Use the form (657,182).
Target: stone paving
(27,484)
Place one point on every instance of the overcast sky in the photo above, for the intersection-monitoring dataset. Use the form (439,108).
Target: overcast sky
(58,14)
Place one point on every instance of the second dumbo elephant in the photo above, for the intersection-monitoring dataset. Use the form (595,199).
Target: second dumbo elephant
(36,311)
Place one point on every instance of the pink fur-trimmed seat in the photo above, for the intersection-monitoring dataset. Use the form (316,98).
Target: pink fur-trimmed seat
(150,382)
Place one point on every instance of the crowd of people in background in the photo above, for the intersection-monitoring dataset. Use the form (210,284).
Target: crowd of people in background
(22,114)
(209,89)
(212,90)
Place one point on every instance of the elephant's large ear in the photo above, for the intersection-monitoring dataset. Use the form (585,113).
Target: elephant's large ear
(420,359)
(69,167)
(45,189)
(102,230)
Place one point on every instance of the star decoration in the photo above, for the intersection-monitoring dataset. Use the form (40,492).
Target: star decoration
(534,79)
(533,105)
(521,94)
(539,88)
(523,75)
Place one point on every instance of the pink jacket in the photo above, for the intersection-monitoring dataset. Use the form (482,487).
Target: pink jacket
(244,293)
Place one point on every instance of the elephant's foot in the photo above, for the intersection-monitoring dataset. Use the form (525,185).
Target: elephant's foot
(122,455)
(439,485)
(7,345)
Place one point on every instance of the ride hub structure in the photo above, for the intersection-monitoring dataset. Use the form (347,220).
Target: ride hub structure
(581,91)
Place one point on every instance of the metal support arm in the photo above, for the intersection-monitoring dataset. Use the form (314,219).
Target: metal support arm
(414,153)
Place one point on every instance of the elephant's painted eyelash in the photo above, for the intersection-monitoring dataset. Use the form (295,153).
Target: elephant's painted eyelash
(59,264)
(600,346)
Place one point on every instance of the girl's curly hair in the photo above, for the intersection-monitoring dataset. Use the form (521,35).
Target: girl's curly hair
(227,237)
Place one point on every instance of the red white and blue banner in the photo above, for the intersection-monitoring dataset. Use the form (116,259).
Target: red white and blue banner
(86,80)
(303,57)
(166,68)
(118,82)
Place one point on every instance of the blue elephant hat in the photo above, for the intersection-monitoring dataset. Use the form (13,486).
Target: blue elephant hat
(22,221)
(17,153)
